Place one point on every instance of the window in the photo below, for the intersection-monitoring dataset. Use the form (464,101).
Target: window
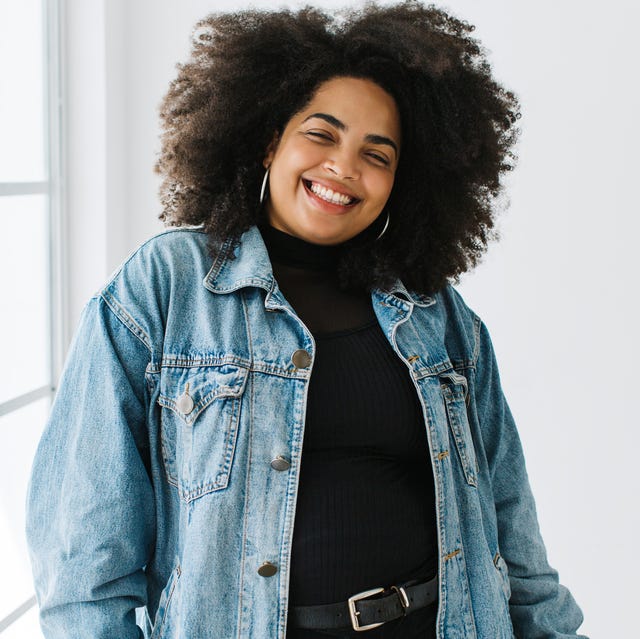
(30,276)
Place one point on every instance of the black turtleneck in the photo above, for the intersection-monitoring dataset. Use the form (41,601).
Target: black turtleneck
(365,515)
(307,275)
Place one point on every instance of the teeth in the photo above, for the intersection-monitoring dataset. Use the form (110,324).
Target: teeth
(329,196)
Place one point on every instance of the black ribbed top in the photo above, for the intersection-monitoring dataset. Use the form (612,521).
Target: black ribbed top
(365,514)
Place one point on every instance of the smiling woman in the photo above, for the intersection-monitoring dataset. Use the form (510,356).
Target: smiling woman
(332,170)
(252,75)
(281,419)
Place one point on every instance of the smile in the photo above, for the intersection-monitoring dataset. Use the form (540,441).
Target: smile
(333,197)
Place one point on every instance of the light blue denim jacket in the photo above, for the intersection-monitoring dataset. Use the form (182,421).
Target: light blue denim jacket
(152,488)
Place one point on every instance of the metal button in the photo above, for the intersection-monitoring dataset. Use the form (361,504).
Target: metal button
(185,402)
(267,569)
(301,359)
(280,463)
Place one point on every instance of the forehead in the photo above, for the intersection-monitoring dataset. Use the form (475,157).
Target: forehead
(360,104)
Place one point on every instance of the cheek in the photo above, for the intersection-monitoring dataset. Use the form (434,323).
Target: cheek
(296,159)
(381,186)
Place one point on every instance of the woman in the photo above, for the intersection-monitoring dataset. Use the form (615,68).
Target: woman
(281,418)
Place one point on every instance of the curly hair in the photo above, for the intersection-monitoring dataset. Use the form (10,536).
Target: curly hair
(251,71)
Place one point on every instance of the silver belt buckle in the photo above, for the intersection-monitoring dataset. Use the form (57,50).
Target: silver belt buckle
(353,613)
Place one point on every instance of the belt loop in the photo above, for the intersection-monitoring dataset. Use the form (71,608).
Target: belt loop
(404,600)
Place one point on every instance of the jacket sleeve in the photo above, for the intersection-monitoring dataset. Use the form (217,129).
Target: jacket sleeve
(90,512)
(540,607)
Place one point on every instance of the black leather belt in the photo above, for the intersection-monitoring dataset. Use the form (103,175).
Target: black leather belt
(361,612)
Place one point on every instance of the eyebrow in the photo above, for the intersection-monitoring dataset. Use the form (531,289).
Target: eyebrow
(370,137)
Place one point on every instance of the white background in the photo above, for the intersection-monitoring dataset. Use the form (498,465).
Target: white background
(558,292)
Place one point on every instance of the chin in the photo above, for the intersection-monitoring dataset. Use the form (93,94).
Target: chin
(326,237)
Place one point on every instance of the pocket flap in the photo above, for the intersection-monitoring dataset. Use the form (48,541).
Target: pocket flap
(455,392)
(188,391)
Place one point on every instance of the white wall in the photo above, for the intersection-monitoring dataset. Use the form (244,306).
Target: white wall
(558,292)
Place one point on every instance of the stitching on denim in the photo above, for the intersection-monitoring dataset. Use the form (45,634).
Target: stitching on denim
(460,365)
(126,319)
(231,396)
(451,555)
(219,392)
(292,484)
(165,455)
(250,419)
(245,522)
(469,598)
(219,261)
(465,450)
(247,326)
(433,370)
(153,368)
(175,577)
(477,327)
(439,507)
(185,361)
(178,361)
(230,438)
(245,282)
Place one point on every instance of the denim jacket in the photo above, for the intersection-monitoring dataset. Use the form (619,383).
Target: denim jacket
(153,506)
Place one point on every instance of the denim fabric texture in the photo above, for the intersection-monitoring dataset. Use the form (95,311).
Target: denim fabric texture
(153,502)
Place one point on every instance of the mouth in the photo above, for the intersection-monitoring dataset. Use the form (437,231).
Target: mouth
(328,195)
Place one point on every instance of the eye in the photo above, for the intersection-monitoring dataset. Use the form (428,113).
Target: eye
(321,135)
(378,158)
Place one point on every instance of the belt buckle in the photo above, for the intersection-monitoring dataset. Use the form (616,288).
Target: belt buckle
(353,613)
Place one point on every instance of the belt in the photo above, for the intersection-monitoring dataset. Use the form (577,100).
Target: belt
(364,613)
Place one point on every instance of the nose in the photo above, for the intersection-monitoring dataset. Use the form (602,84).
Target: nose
(343,164)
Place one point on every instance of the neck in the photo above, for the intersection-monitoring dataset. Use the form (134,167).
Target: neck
(293,251)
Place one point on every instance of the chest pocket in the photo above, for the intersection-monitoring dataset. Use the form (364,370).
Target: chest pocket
(199,425)
(454,391)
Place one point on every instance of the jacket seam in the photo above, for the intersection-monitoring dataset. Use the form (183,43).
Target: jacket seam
(245,521)
(245,525)
(126,319)
(463,364)
(220,260)
(477,327)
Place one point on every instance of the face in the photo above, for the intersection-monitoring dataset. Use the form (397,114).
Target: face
(332,169)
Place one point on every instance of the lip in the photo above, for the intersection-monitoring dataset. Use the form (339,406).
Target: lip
(336,187)
(327,207)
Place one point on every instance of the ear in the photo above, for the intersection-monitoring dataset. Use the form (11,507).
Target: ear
(271,150)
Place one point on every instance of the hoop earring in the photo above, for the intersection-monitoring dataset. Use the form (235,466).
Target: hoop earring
(386,224)
(265,181)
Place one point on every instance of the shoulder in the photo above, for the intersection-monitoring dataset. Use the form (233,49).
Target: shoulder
(452,301)
(168,251)
(162,258)
(169,265)
(461,326)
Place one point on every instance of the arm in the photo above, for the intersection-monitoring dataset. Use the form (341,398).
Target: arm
(90,508)
(540,607)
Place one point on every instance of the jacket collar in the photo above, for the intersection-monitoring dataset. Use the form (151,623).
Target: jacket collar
(252,267)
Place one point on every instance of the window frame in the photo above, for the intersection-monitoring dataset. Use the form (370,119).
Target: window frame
(53,188)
